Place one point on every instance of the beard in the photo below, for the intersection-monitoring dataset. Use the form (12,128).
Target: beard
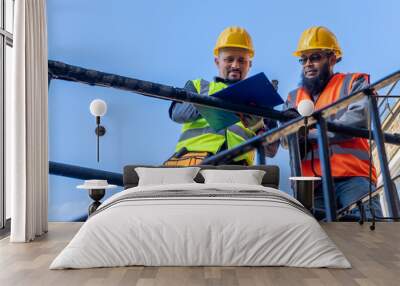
(234,79)
(316,84)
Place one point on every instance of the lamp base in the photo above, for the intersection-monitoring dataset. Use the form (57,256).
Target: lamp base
(96,195)
(100,130)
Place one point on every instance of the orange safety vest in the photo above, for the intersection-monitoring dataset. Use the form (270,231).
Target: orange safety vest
(348,158)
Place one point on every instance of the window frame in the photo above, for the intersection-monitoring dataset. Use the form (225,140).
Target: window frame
(6,39)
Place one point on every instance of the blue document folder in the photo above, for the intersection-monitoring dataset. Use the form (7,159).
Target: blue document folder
(256,90)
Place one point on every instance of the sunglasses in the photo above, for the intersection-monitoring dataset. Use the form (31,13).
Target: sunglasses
(314,58)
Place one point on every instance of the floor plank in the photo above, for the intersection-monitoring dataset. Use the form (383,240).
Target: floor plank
(374,255)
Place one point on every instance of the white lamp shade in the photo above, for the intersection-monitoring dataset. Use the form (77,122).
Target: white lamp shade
(305,107)
(98,107)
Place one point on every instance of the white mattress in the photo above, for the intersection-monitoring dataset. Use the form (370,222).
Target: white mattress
(185,230)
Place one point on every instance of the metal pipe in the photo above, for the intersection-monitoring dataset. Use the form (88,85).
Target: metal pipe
(391,195)
(77,172)
(327,180)
(388,96)
(361,132)
(59,70)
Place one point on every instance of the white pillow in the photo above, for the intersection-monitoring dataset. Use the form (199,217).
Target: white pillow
(248,177)
(166,176)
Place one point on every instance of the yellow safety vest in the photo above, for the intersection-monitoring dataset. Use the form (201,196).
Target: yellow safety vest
(199,136)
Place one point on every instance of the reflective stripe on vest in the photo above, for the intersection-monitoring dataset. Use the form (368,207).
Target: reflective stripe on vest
(204,87)
(347,157)
(199,136)
(238,130)
(337,149)
(190,133)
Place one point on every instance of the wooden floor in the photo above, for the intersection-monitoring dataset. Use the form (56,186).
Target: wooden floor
(375,256)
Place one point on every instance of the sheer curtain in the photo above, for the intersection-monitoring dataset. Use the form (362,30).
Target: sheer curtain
(26,123)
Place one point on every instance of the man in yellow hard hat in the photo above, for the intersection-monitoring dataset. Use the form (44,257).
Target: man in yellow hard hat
(318,51)
(233,53)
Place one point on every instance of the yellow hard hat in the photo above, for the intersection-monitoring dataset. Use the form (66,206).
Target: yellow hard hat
(234,37)
(318,38)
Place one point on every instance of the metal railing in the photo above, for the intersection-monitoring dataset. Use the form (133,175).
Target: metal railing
(59,70)
(387,101)
(365,198)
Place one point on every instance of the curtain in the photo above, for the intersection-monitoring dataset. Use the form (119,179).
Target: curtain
(26,123)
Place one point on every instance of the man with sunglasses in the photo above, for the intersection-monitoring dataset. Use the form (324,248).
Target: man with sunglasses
(318,51)
(233,53)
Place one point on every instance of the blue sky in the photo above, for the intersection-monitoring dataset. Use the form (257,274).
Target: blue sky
(171,42)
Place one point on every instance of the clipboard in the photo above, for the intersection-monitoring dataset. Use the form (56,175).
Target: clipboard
(256,90)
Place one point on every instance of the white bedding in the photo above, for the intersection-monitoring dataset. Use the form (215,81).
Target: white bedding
(183,230)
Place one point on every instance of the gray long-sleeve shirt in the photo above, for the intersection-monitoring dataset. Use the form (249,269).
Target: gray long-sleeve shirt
(356,114)
(187,112)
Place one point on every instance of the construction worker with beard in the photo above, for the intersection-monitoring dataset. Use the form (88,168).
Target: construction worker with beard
(318,51)
(233,53)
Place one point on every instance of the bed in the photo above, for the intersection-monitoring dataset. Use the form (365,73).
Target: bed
(201,224)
